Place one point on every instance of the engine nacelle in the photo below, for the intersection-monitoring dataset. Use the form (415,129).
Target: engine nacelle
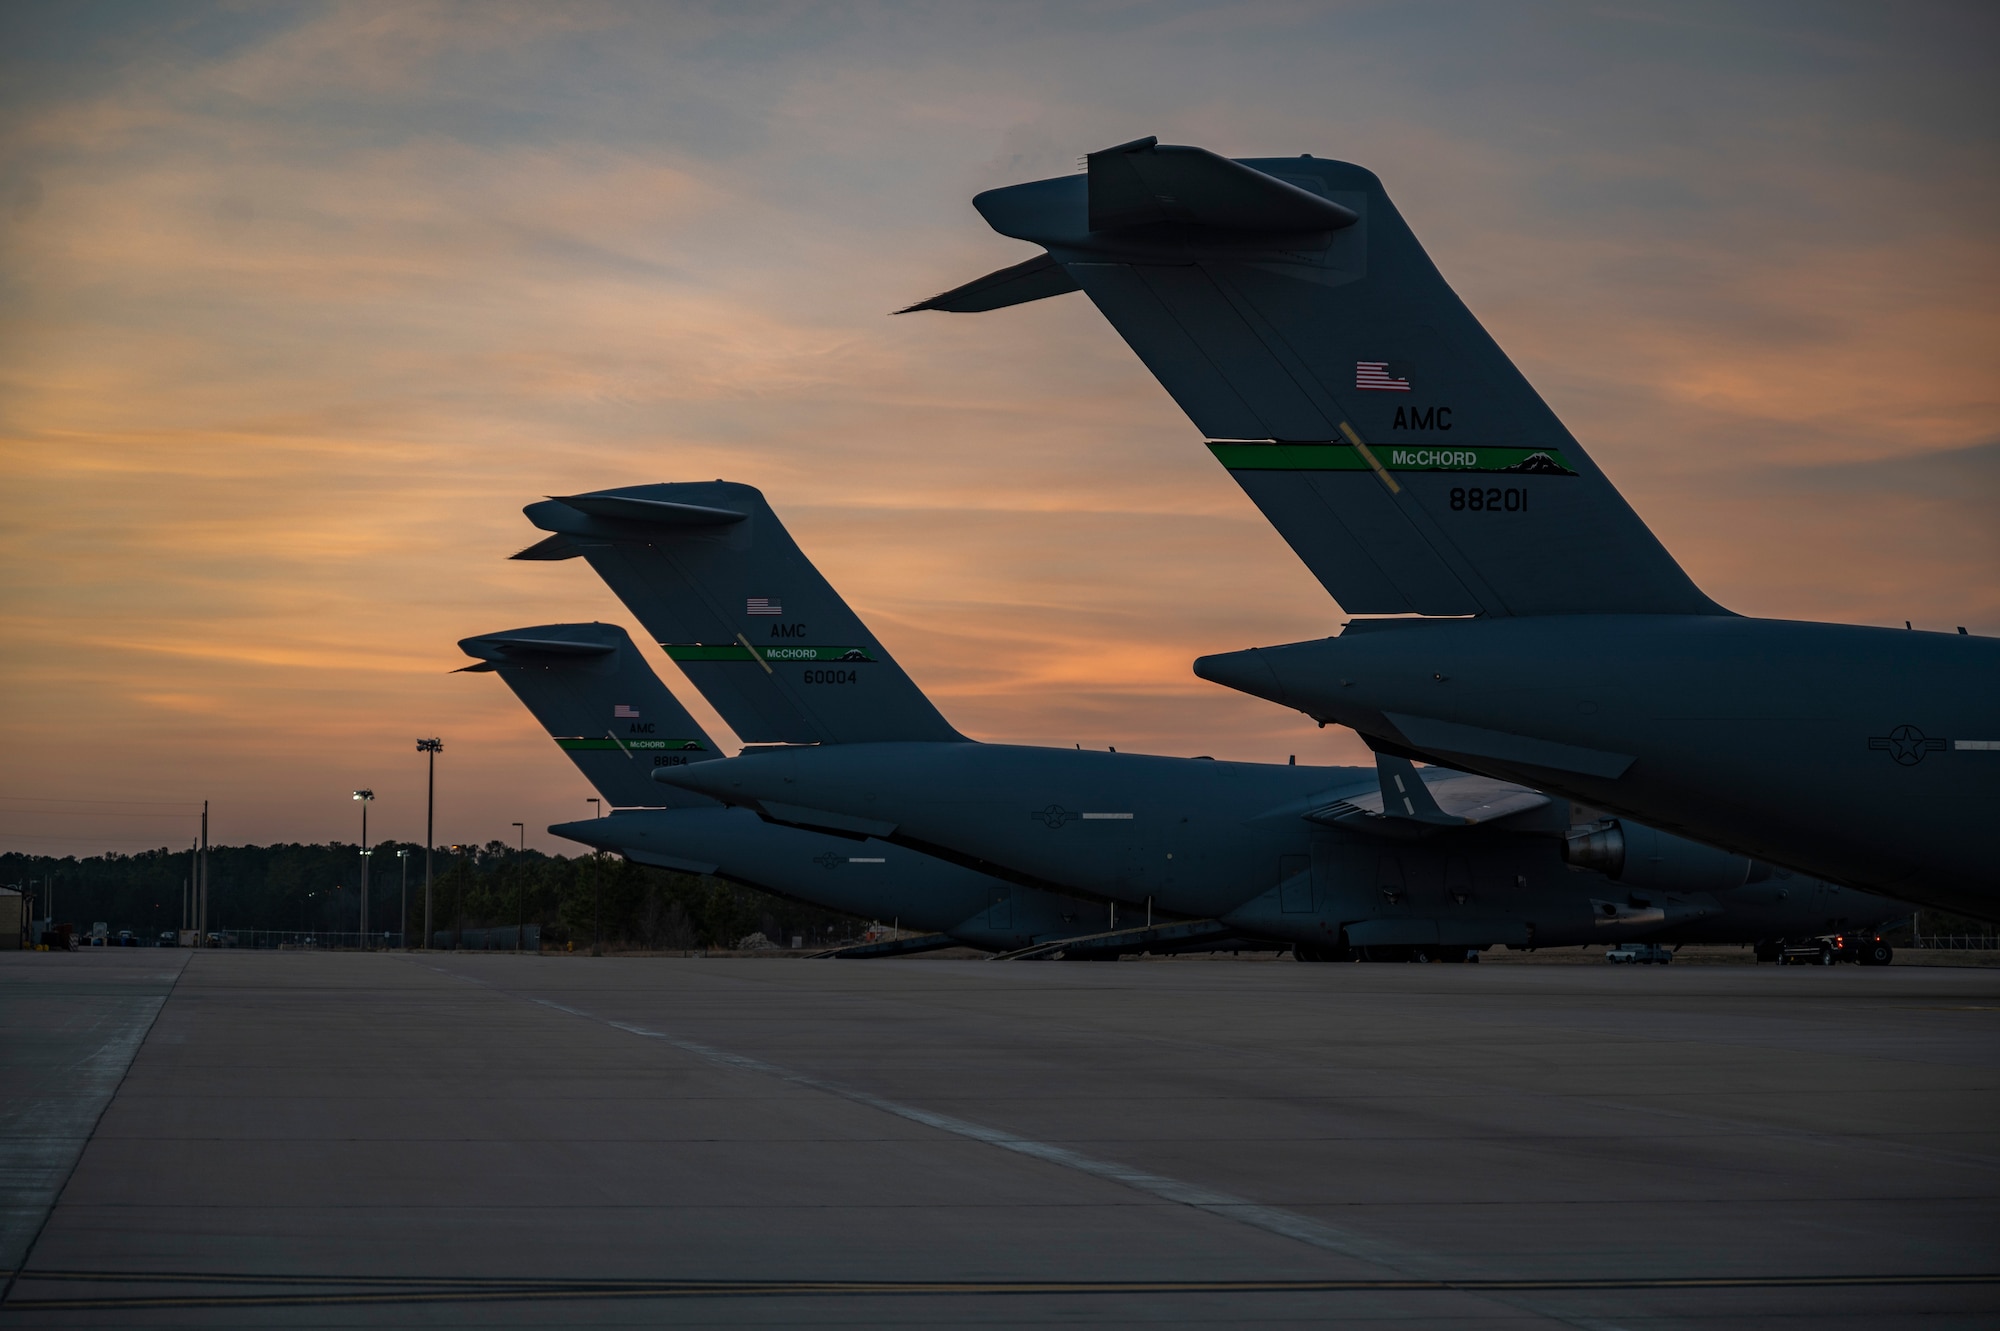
(1641,856)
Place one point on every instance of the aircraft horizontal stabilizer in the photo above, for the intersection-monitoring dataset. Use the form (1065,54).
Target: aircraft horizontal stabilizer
(549,548)
(513,647)
(630,508)
(1142,183)
(1129,192)
(1036,279)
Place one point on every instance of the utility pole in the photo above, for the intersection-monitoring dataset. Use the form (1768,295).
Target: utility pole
(433,747)
(459,876)
(403,920)
(521,890)
(596,890)
(365,797)
(201,891)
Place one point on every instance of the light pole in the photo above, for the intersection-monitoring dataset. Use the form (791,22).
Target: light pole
(520,890)
(596,889)
(364,798)
(432,747)
(459,875)
(403,920)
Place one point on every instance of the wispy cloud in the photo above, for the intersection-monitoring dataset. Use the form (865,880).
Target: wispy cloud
(300,306)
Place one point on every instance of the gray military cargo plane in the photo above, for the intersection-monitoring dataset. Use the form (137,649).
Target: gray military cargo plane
(1387,861)
(606,709)
(1288,309)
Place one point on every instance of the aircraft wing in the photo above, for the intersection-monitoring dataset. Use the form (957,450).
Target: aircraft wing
(1406,804)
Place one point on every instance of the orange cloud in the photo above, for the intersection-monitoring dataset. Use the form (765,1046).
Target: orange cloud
(295,326)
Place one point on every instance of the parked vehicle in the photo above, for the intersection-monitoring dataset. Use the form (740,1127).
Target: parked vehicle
(1638,954)
(1862,949)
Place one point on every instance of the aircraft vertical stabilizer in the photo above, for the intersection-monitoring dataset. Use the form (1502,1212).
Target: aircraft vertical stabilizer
(1290,312)
(712,573)
(602,704)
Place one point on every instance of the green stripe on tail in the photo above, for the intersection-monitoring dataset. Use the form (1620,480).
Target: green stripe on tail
(688,652)
(578,744)
(1393,457)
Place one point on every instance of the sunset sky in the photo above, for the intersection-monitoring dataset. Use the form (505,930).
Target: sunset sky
(299,305)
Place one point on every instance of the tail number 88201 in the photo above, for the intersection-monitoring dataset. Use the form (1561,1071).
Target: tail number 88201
(1492,499)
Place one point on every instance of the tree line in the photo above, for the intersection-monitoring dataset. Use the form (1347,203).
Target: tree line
(317,888)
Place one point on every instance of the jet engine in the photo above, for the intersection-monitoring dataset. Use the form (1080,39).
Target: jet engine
(1641,856)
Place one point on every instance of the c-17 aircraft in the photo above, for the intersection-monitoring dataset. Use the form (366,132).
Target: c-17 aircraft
(1288,309)
(608,711)
(1387,862)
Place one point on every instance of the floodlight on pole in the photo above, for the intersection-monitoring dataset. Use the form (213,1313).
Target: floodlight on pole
(364,798)
(431,747)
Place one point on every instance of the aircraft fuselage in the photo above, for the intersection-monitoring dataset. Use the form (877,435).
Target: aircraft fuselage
(1870,757)
(1234,842)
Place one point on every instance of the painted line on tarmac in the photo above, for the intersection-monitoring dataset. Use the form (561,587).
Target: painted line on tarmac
(1271,1219)
(350,1291)
(1411,1264)
(38,1163)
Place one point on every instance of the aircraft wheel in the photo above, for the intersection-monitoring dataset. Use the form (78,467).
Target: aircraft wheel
(1876,954)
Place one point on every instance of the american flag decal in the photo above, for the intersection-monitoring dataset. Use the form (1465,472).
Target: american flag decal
(624,711)
(1375,374)
(762,605)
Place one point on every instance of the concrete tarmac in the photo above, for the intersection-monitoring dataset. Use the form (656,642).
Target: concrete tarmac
(338,1139)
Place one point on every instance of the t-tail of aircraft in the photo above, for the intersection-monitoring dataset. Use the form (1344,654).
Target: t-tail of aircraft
(604,707)
(1289,310)
(718,581)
